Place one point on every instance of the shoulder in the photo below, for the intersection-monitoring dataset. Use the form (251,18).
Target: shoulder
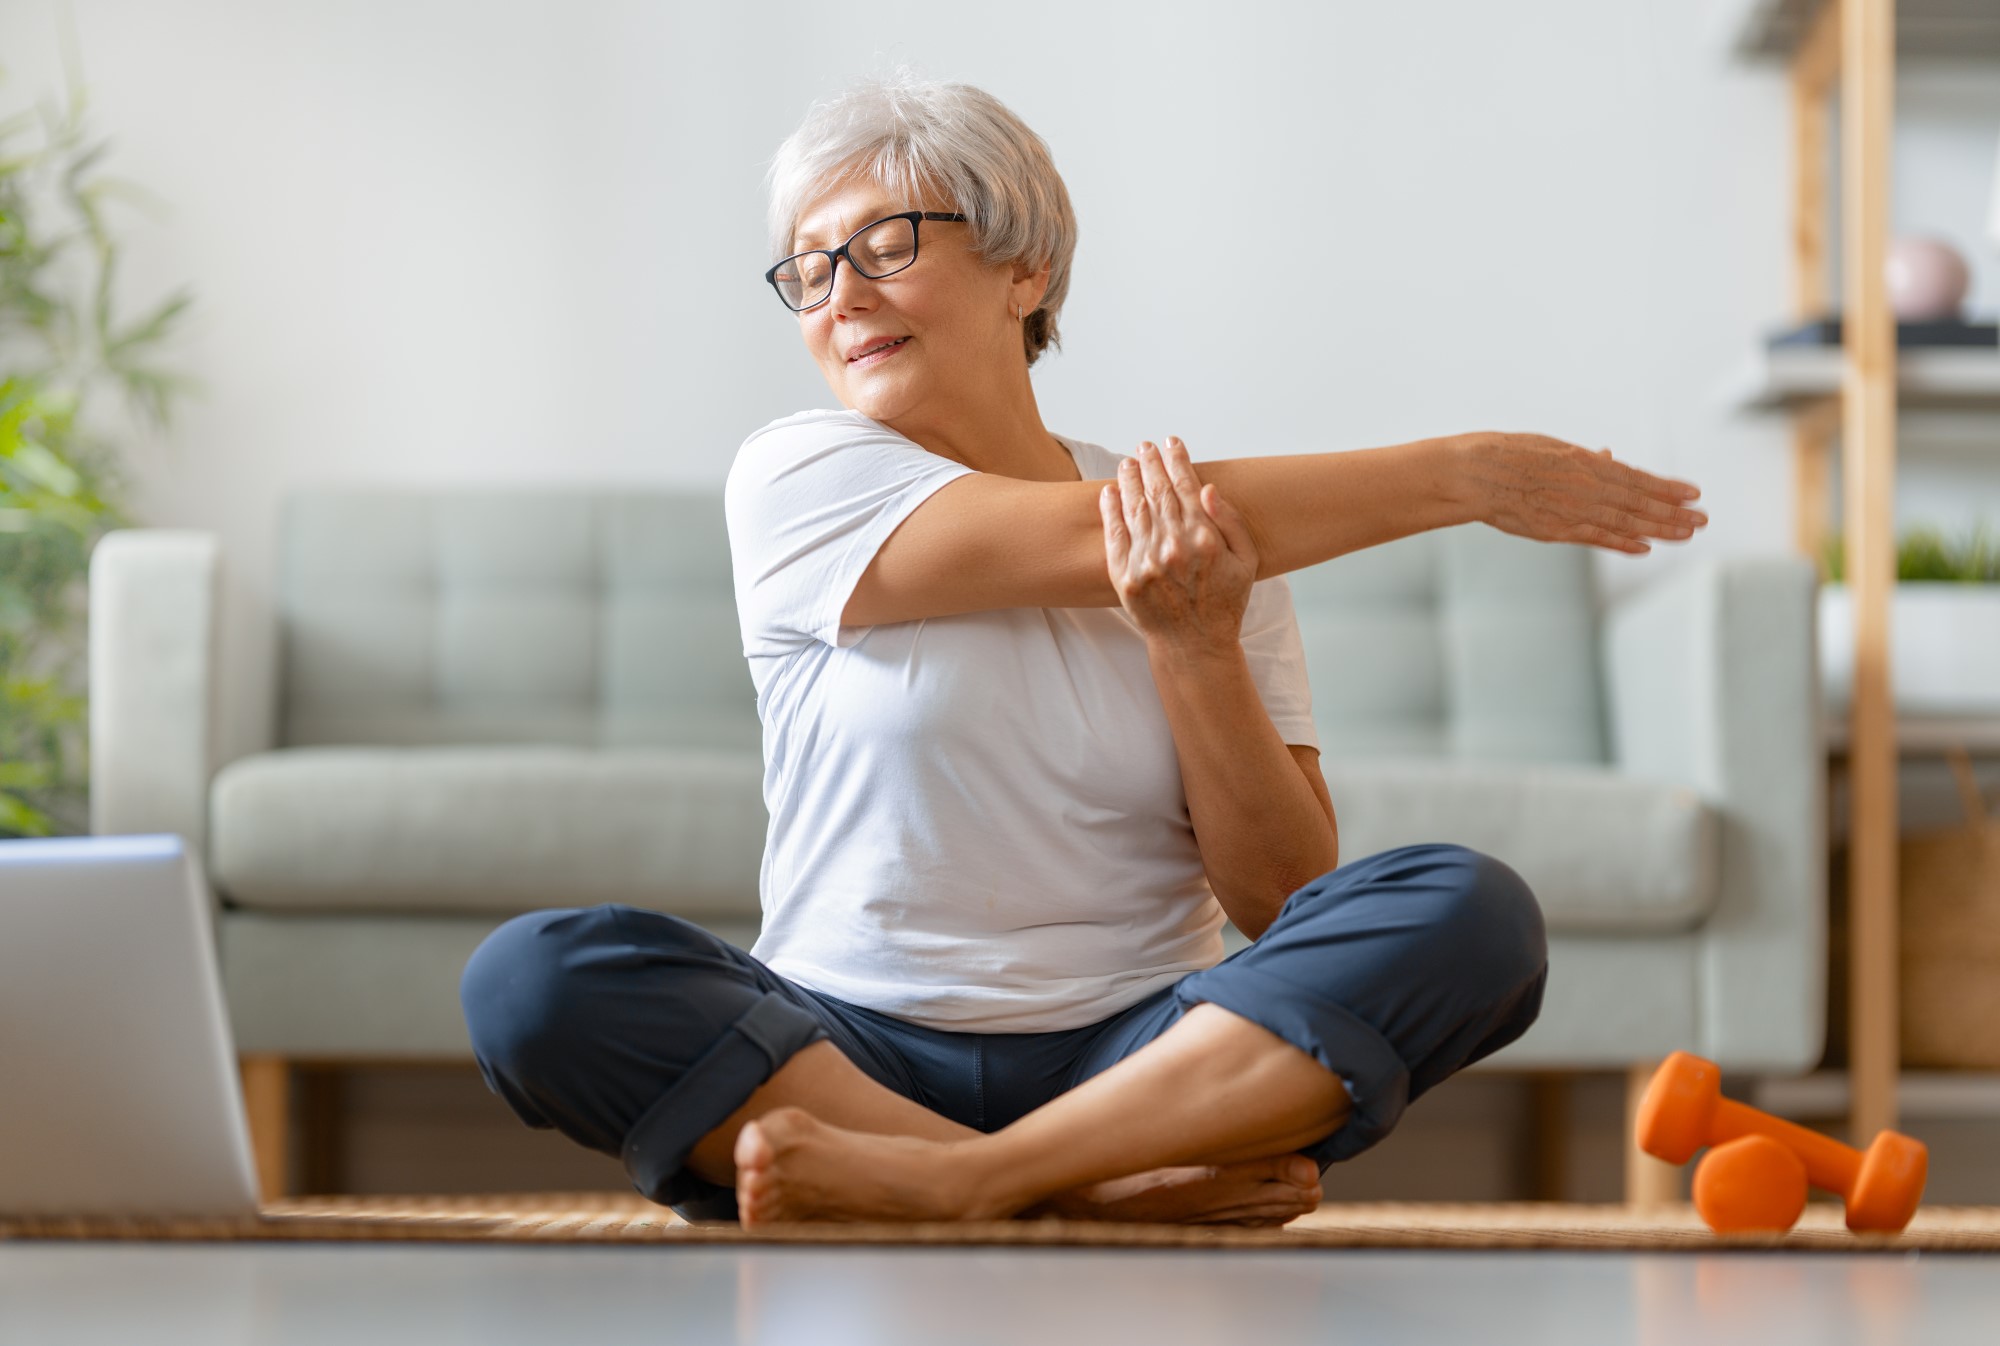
(792,442)
(1096,462)
(808,432)
(825,464)
(807,427)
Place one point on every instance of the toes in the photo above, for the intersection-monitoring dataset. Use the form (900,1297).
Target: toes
(1273,1203)
(1301,1171)
(754,1157)
(753,1149)
(1294,1197)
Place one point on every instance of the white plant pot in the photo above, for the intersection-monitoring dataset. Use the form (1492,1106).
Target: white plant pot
(1944,647)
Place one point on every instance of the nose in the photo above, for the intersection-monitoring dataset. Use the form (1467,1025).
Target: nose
(851,290)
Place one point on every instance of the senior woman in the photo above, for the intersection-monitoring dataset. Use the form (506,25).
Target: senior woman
(1035,721)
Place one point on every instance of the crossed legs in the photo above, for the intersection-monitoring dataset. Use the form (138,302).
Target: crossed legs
(635,1033)
(1215,1092)
(820,1139)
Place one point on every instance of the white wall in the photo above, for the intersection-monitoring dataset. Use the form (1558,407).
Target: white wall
(451,240)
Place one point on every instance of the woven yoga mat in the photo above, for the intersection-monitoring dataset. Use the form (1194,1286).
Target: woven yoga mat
(569,1218)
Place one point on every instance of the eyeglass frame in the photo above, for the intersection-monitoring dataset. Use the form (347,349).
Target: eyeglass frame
(915,217)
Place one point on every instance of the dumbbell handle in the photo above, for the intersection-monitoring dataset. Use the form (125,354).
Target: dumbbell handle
(1829,1164)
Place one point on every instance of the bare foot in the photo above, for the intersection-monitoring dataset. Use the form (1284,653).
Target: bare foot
(792,1166)
(1272,1191)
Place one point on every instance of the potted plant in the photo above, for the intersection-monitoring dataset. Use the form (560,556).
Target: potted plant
(1944,624)
(63,346)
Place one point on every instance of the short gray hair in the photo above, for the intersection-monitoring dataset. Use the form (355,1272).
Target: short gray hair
(909,135)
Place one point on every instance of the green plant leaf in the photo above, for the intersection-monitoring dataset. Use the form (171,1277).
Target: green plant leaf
(23,775)
(151,328)
(18,818)
(1925,554)
(43,468)
(64,344)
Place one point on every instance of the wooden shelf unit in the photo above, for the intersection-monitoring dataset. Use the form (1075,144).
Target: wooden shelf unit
(1950,30)
(1927,734)
(1933,1095)
(1927,378)
(1849,47)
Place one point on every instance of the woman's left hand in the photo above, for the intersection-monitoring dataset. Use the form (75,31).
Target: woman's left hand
(1181,557)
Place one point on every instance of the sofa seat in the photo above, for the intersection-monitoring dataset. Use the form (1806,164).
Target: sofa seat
(490,830)
(1605,852)
(499,830)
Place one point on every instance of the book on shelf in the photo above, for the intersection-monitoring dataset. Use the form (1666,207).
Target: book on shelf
(1825,332)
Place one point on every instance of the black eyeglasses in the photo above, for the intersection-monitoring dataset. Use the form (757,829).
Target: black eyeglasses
(805,279)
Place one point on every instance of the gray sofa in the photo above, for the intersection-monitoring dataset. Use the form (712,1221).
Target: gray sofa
(495,701)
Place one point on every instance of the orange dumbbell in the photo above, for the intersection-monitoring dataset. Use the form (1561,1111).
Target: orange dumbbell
(1753,1176)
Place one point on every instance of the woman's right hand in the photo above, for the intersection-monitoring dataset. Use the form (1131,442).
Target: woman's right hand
(1537,487)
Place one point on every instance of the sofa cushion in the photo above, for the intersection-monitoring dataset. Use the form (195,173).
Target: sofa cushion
(511,615)
(490,829)
(1460,643)
(502,830)
(1602,852)
(360,984)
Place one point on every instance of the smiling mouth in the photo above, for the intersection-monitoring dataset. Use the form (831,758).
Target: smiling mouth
(875,353)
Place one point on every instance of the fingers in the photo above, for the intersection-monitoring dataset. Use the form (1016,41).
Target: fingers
(1229,521)
(1649,505)
(1181,473)
(1647,516)
(1117,540)
(1616,541)
(1645,506)
(1658,497)
(1610,526)
(1132,500)
(1160,492)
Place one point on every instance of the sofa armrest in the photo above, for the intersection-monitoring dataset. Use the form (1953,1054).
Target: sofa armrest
(1714,684)
(153,643)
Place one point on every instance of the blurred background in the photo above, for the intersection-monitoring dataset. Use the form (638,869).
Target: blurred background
(515,241)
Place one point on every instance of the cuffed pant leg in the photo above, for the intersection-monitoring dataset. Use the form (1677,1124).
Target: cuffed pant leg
(632,1032)
(1393,972)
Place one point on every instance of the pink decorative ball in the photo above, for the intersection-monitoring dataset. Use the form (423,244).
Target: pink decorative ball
(1928,279)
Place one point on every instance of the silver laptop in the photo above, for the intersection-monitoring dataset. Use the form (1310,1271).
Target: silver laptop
(118,1085)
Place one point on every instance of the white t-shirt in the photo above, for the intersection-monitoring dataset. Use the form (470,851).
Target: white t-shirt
(977,821)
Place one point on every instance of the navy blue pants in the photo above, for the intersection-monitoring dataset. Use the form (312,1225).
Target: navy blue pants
(637,1033)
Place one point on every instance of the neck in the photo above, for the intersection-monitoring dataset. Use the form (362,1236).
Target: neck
(996,429)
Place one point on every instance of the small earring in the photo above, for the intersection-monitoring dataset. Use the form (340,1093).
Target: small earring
(1018,315)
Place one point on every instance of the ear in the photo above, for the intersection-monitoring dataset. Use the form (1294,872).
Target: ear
(1030,284)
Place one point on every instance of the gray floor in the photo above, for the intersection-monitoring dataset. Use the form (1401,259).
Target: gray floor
(233,1295)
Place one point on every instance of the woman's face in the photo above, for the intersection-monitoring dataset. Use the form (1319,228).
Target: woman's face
(952,314)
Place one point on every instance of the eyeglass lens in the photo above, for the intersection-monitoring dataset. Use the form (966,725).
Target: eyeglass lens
(880,250)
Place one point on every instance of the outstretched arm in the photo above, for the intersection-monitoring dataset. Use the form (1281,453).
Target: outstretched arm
(986,541)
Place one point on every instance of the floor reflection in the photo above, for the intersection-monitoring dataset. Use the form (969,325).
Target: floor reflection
(1877,1299)
(245,1295)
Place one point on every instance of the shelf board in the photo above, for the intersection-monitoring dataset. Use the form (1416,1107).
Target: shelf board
(1929,1095)
(1928,377)
(1924,733)
(1948,30)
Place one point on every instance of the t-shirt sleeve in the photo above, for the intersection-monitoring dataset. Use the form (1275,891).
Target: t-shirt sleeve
(809,502)
(1277,657)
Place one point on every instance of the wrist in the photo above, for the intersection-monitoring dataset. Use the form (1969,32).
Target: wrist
(1458,483)
(1193,652)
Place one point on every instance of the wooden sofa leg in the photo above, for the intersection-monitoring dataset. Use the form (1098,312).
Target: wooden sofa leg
(317,1115)
(1649,1182)
(1547,1158)
(267,1098)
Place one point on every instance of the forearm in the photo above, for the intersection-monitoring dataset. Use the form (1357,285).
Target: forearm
(1261,828)
(1308,508)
